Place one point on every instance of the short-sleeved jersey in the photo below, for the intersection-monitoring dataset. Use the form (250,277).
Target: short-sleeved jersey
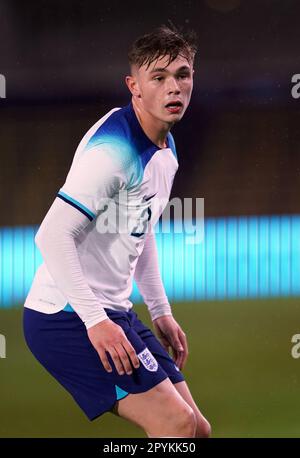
(121,181)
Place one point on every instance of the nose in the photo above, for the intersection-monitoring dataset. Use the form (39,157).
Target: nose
(173,86)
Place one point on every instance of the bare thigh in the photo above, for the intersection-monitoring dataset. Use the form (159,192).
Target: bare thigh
(159,411)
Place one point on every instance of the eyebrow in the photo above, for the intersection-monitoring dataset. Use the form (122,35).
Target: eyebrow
(155,70)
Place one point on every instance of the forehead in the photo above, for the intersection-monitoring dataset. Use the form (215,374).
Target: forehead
(161,63)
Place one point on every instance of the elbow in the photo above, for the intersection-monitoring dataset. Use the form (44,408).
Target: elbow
(41,237)
(47,238)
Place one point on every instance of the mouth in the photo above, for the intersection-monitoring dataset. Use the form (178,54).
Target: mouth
(174,106)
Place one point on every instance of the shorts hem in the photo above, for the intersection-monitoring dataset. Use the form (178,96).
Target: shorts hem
(175,379)
(99,414)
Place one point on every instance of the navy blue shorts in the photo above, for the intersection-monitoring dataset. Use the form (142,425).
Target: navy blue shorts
(59,341)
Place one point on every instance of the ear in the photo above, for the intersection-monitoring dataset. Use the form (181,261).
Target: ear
(133,85)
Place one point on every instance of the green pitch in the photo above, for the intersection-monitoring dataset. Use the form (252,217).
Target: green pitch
(240,372)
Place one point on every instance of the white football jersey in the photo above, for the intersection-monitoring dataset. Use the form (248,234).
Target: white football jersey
(121,181)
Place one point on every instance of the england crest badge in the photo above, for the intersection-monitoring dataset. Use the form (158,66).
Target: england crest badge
(148,360)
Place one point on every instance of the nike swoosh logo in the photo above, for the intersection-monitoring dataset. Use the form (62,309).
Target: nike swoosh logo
(148,198)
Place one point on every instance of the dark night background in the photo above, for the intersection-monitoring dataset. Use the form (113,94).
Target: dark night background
(65,62)
(236,295)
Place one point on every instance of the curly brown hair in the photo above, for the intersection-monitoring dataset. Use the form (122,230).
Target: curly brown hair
(161,42)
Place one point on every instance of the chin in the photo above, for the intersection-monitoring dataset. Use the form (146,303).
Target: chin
(175,117)
(171,118)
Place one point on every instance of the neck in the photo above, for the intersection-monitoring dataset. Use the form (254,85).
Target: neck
(156,130)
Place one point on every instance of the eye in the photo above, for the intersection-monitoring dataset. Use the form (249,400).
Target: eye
(158,78)
(184,75)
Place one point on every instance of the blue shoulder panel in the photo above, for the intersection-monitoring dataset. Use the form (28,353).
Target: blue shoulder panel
(123,128)
(171,144)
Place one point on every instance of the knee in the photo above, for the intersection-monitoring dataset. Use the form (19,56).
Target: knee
(178,423)
(203,429)
(187,423)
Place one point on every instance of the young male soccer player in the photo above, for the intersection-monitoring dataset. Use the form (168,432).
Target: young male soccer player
(78,319)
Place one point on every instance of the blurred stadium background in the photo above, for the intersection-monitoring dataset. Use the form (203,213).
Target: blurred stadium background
(236,294)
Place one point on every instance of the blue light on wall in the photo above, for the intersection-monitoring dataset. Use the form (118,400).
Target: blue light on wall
(19,259)
(239,257)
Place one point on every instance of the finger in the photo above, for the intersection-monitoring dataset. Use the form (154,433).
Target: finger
(124,358)
(165,343)
(181,360)
(178,348)
(184,354)
(116,359)
(178,357)
(104,360)
(185,357)
(131,353)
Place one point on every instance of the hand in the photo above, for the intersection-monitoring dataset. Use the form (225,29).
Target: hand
(108,336)
(170,334)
